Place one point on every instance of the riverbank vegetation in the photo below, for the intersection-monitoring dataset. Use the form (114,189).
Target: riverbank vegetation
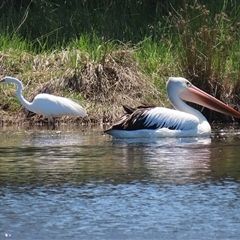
(107,53)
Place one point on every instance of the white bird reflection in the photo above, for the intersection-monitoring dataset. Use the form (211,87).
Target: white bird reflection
(171,160)
(90,156)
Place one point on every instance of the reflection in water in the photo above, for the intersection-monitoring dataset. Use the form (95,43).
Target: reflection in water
(73,156)
(171,160)
(48,157)
(54,157)
(80,184)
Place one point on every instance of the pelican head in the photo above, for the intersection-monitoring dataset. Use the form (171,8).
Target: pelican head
(178,87)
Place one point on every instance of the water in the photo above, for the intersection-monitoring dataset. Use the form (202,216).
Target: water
(79,184)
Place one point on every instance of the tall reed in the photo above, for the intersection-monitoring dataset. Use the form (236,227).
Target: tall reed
(207,45)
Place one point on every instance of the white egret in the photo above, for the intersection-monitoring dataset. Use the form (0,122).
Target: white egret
(183,121)
(46,104)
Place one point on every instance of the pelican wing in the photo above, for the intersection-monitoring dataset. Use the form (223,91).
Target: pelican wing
(155,118)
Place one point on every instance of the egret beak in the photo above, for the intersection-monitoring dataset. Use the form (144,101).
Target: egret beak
(196,95)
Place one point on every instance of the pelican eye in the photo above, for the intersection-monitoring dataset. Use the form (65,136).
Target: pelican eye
(188,84)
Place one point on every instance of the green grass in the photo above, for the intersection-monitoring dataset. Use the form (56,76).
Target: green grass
(157,60)
(95,49)
(8,42)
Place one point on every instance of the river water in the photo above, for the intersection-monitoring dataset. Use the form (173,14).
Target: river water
(75,183)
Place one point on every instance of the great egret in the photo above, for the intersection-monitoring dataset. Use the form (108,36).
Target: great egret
(46,104)
(183,121)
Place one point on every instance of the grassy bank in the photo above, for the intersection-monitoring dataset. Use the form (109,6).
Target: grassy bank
(100,80)
(89,65)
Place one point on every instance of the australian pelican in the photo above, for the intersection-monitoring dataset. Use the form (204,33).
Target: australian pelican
(183,121)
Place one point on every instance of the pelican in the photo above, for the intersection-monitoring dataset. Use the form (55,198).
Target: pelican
(184,121)
(47,104)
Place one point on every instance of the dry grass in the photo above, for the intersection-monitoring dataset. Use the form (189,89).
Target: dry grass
(100,87)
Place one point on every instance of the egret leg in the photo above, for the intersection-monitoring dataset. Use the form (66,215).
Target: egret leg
(53,123)
(51,120)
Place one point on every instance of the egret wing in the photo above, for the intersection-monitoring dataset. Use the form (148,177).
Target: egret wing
(54,106)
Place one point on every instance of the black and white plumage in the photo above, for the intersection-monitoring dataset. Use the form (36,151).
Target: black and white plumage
(184,121)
